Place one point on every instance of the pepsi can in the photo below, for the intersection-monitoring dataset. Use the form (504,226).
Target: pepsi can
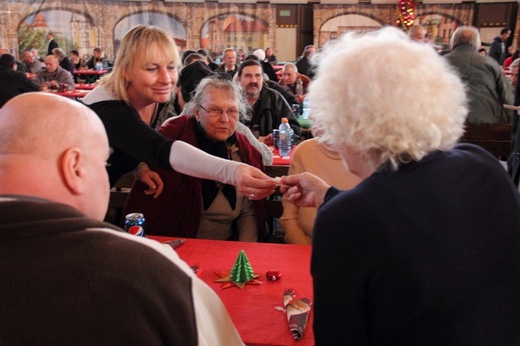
(276,137)
(295,107)
(135,224)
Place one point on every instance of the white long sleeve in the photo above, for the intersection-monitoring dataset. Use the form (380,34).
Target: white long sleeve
(186,159)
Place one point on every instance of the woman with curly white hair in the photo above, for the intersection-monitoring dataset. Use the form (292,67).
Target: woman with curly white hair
(425,249)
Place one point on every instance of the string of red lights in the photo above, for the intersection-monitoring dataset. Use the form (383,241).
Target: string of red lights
(406,13)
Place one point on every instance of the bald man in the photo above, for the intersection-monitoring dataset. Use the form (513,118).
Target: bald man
(67,277)
(54,75)
(486,85)
(418,33)
(290,78)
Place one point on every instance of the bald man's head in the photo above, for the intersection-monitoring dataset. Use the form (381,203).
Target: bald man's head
(418,33)
(51,63)
(290,73)
(54,148)
(466,35)
(41,123)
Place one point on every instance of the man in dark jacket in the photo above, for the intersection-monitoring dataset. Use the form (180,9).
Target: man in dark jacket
(498,48)
(52,43)
(304,63)
(487,86)
(12,82)
(229,66)
(268,107)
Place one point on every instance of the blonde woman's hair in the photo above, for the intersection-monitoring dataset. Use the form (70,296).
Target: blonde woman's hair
(139,45)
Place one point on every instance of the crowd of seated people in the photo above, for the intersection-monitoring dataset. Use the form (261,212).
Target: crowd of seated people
(55,72)
(200,174)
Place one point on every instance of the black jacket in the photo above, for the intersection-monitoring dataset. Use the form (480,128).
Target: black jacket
(268,112)
(14,83)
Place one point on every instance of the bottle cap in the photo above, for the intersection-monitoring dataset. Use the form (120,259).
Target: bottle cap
(284,120)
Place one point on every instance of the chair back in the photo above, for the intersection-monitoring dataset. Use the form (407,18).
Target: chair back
(118,196)
(495,138)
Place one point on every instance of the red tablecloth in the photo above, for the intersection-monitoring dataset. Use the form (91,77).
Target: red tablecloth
(85,86)
(74,93)
(282,160)
(253,308)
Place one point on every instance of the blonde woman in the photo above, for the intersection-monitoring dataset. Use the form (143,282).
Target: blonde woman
(128,101)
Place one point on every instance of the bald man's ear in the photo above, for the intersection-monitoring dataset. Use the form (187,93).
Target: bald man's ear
(73,170)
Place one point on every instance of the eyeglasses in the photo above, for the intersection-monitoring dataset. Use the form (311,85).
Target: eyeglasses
(217,112)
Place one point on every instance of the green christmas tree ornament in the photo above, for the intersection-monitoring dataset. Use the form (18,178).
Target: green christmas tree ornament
(240,275)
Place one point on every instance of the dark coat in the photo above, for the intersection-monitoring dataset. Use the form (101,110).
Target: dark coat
(513,163)
(52,44)
(268,112)
(190,76)
(426,255)
(13,83)
(305,67)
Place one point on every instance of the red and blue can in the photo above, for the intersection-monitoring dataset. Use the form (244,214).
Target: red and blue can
(135,224)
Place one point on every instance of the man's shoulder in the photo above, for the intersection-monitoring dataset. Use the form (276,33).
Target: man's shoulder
(62,72)
(11,74)
(269,92)
(464,54)
(302,61)
(42,72)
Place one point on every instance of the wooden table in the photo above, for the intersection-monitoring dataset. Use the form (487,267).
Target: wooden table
(253,308)
(91,76)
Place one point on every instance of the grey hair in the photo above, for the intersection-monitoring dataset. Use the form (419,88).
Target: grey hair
(59,51)
(291,66)
(466,35)
(217,82)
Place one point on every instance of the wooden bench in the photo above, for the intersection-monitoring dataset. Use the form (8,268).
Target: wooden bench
(495,138)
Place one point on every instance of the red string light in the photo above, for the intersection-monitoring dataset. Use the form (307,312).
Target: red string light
(406,16)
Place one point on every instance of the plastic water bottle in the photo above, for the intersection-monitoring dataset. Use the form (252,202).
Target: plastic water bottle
(285,138)
(306,109)
(299,87)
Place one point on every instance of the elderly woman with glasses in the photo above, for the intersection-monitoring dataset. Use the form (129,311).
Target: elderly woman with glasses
(205,208)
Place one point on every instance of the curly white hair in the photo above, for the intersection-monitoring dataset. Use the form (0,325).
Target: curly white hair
(388,98)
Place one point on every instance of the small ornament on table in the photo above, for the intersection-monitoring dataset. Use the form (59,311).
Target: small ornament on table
(273,275)
(240,275)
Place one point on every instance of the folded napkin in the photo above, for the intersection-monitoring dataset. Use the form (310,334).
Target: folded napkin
(297,311)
